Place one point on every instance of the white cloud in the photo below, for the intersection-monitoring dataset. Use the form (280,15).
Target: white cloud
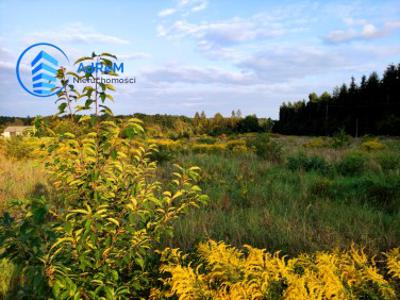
(369,31)
(392,25)
(184,7)
(5,65)
(5,54)
(221,39)
(77,33)
(361,30)
(192,5)
(226,32)
(353,21)
(167,12)
(134,56)
(201,5)
(280,64)
(197,75)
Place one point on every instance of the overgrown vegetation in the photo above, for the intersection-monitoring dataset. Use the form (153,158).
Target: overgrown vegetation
(224,272)
(102,240)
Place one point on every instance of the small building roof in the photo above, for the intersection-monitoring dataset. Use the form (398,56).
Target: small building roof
(16,128)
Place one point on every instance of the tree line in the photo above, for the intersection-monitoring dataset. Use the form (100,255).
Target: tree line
(370,107)
(159,125)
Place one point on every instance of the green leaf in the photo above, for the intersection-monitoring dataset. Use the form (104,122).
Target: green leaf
(110,86)
(114,154)
(60,241)
(61,108)
(84,119)
(106,110)
(108,54)
(106,62)
(113,221)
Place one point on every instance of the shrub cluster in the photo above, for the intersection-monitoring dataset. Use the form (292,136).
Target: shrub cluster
(372,145)
(352,164)
(266,148)
(224,272)
(307,163)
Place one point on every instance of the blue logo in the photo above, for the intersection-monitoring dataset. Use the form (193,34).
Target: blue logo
(43,59)
(100,67)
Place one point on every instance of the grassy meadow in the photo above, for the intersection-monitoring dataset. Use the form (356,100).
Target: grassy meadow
(305,195)
(308,197)
(282,193)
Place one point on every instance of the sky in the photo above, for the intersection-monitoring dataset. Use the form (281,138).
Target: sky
(204,55)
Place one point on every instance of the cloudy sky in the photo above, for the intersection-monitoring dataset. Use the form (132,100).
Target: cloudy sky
(211,55)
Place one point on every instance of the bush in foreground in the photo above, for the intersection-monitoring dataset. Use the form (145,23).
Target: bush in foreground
(102,243)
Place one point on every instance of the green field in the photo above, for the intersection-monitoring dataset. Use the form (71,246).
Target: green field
(282,193)
(305,196)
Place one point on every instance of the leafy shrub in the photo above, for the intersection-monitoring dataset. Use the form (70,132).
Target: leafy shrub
(205,148)
(166,144)
(19,147)
(240,149)
(235,143)
(104,243)
(26,241)
(389,160)
(224,272)
(206,140)
(7,270)
(372,145)
(352,164)
(340,139)
(307,163)
(165,149)
(380,191)
(265,147)
(318,142)
(384,191)
(161,155)
(248,124)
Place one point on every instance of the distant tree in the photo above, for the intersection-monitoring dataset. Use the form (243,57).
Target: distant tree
(313,97)
(248,124)
(325,97)
(197,123)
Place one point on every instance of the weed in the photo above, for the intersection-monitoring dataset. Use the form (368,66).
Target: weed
(266,148)
(372,145)
(352,164)
(340,139)
(308,163)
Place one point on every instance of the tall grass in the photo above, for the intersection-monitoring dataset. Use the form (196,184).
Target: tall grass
(20,179)
(269,206)
(266,203)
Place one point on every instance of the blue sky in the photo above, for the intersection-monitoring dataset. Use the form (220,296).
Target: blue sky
(211,55)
